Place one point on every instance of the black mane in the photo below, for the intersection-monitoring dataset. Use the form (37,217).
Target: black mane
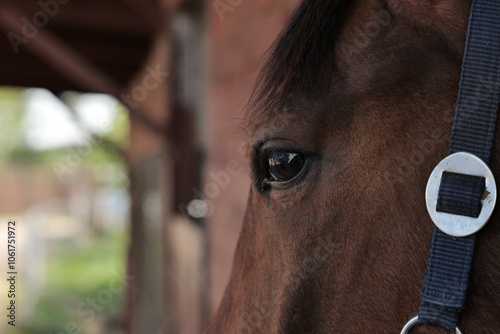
(301,60)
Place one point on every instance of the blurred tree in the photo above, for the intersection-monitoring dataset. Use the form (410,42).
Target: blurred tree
(100,148)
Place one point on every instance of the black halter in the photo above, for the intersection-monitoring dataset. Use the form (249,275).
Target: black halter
(461,192)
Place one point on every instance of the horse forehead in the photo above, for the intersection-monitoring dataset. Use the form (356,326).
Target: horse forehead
(383,41)
(366,22)
(371,28)
(379,42)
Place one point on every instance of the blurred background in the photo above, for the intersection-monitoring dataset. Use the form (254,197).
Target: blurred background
(122,157)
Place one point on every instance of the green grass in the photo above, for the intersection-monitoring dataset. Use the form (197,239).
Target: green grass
(76,273)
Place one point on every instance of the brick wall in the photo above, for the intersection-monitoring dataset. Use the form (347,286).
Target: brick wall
(239,36)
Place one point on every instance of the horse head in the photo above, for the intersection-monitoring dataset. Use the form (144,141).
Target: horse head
(351,113)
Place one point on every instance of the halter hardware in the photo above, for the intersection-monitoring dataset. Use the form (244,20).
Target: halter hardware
(461,192)
(461,164)
(415,322)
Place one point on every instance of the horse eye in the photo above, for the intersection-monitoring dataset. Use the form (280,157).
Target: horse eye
(284,166)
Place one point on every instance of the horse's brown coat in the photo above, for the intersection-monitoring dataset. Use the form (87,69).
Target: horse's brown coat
(344,250)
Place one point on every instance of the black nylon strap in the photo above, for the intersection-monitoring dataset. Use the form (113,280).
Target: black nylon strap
(450,258)
(478,94)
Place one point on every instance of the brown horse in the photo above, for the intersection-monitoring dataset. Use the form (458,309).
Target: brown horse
(351,114)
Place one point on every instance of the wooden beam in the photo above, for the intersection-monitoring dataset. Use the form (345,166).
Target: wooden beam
(66,61)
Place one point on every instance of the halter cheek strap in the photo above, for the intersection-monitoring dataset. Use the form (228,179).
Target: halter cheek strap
(461,192)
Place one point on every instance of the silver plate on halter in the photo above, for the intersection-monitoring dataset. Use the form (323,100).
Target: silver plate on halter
(415,322)
(458,225)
